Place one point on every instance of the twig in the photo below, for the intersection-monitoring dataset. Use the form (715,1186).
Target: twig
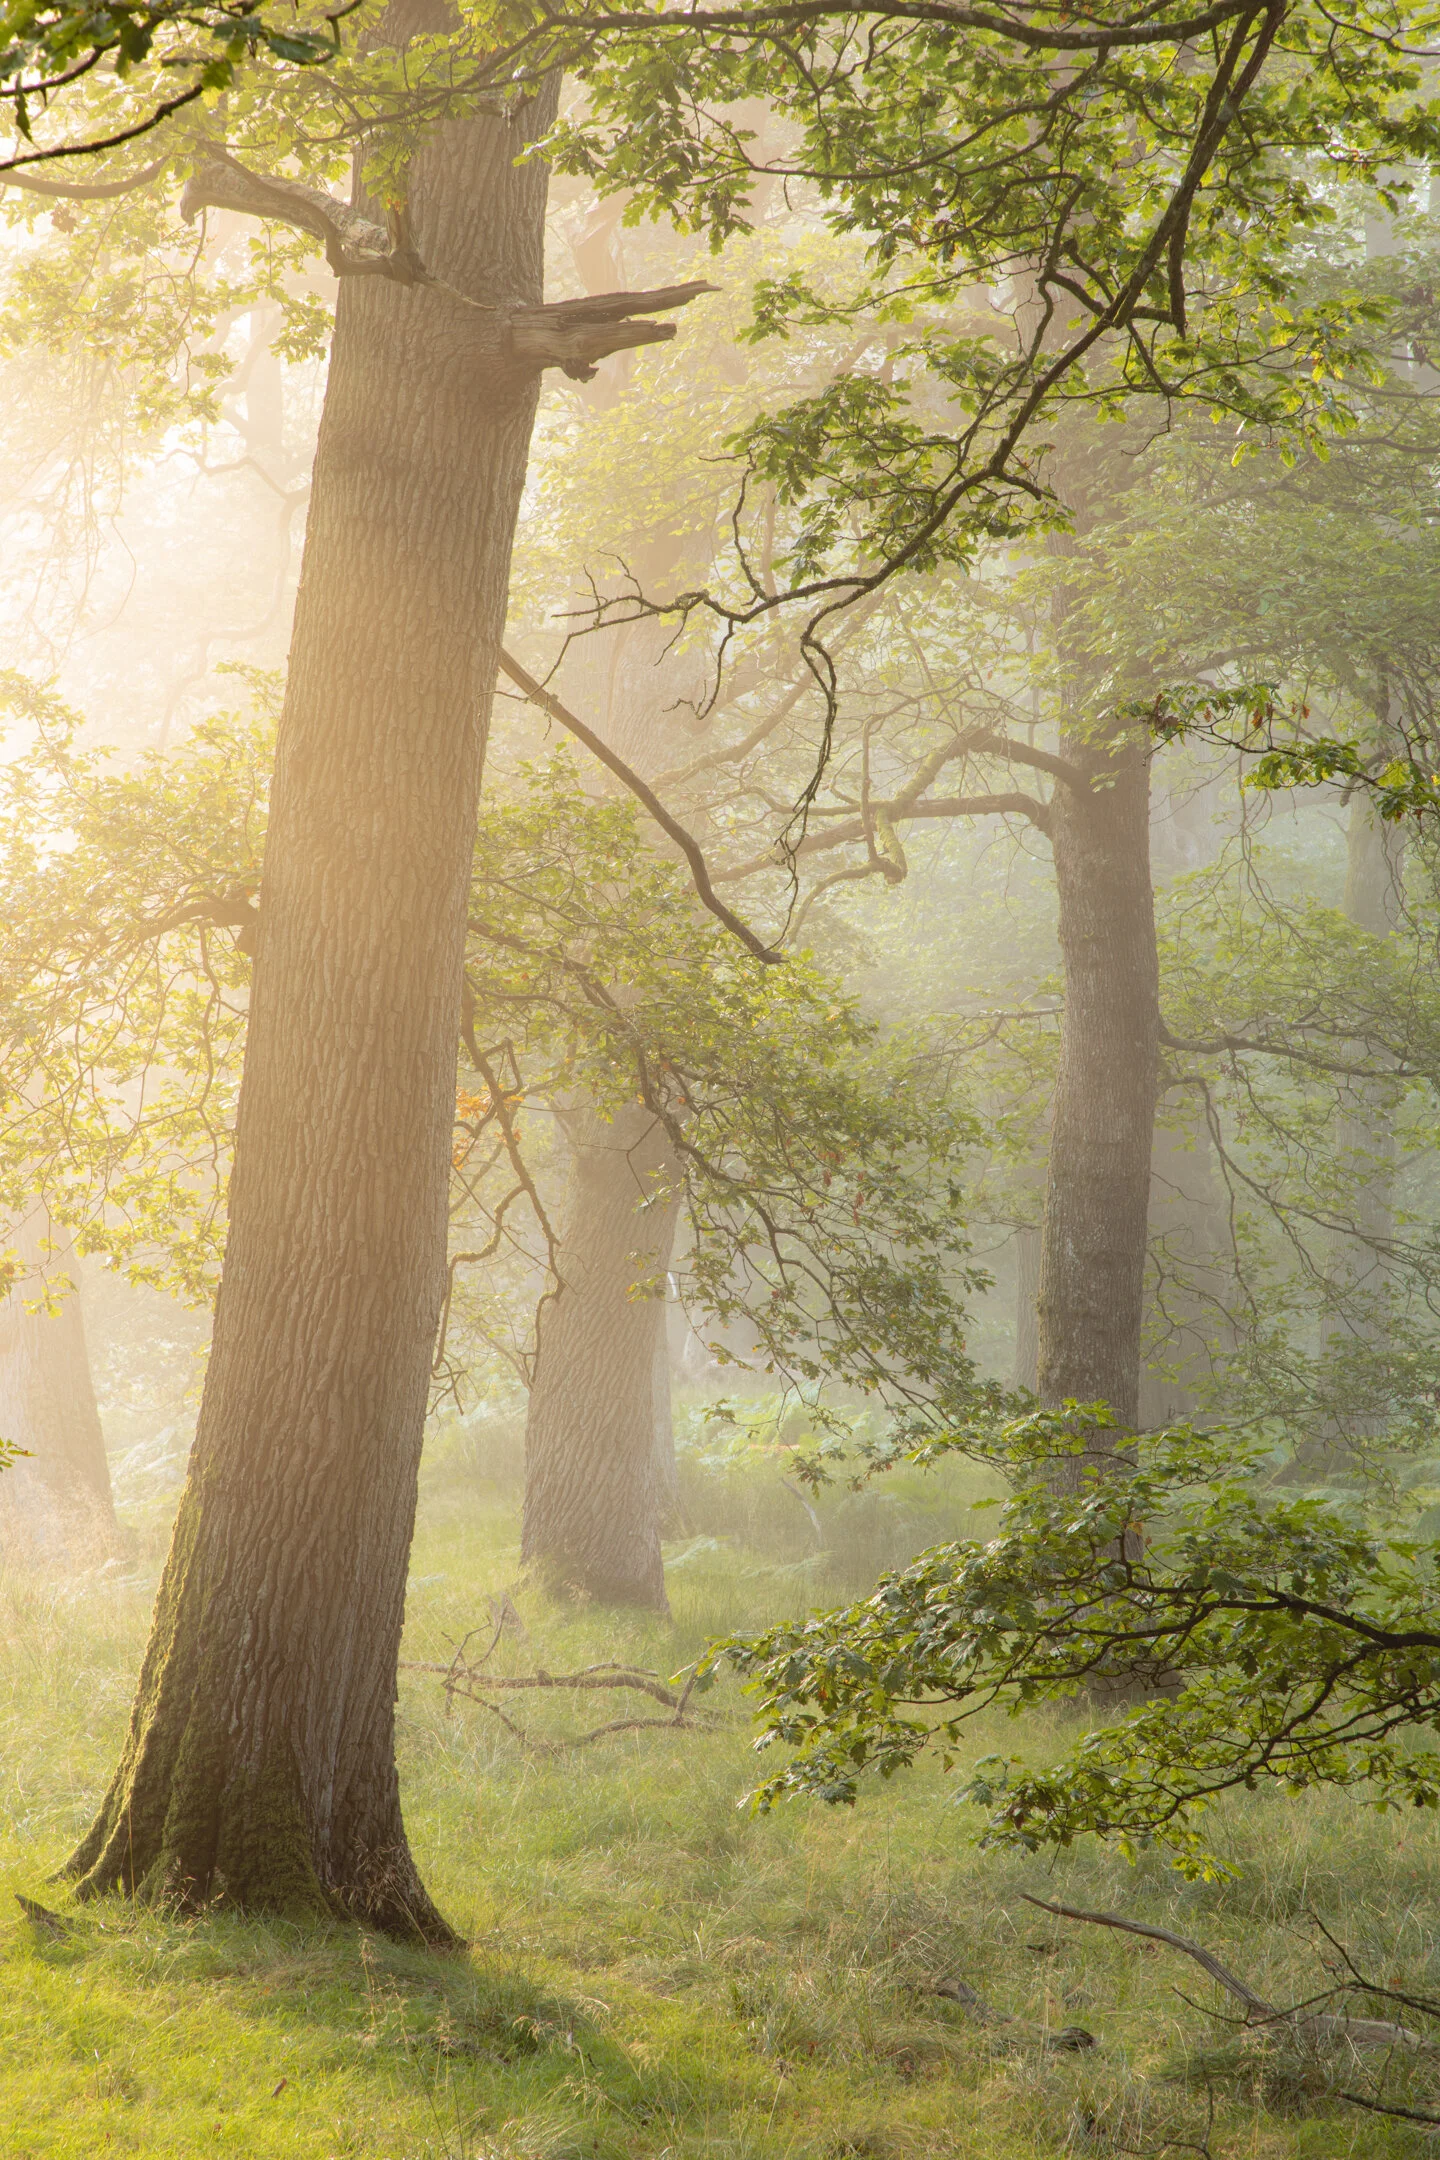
(1384,2107)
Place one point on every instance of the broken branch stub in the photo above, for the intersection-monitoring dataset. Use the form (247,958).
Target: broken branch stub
(573,335)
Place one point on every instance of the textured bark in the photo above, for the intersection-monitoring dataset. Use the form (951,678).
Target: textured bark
(592,1497)
(1093,1243)
(56,1503)
(260,1766)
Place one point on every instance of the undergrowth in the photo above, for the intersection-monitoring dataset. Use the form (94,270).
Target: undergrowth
(652,1971)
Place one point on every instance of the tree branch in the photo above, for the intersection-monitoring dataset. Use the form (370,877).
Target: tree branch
(85,190)
(1217,1045)
(355,246)
(573,334)
(569,334)
(1357,2032)
(1019,753)
(688,846)
(899,812)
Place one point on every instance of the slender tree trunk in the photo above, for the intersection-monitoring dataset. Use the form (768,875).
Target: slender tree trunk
(1093,1242)
(662,1425)
(600,1400)
(260,1765)
(592,1500)
(1186,1227)
(1374,870)
(1026,1373)
(57,1502)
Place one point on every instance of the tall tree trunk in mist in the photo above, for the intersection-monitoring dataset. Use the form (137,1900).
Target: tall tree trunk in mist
(600,1399)
(1025,1372)
(1186,1235)
(1374,873)
(56,1503)
(1093,1240)
(593,1475)
(260,1765)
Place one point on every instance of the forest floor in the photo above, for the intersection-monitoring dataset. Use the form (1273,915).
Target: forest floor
(652,1971)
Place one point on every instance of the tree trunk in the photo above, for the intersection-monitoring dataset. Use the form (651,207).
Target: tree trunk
(1187,1305)
(1093,1241)
(57,1502)
(1374,871)
(601,1394)
(662,1427)
(260,1765)
(1026,1372)
(592,1504)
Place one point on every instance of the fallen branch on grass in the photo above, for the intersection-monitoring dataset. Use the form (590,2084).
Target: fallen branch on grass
(1303,2021)
(472,1683)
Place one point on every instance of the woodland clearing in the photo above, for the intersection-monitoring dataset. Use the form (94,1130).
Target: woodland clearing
(651,1970)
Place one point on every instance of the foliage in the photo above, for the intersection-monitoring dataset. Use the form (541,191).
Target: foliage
(822,1162)
(124,1000)
(1275,1635)
(48,46)
(1055,215)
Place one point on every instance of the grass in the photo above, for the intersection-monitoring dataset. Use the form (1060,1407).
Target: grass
(652,1971)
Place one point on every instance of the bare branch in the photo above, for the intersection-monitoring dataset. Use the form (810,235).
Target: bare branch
(941,806)
(1358,2032)
(573,334)
(689,847)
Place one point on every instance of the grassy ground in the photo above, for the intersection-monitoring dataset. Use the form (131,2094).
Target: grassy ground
(652,1972)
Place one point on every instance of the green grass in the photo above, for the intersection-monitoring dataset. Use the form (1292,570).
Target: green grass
(652,1971)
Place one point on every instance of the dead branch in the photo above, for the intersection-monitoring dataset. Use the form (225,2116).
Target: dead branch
(1383,2107)
(471,1683)
(1315,2027)
(569,334)
(642,1680)
(573,334)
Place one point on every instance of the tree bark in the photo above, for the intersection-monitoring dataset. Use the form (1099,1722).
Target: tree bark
(592,1495)
(1093,1241)
(55,1503)
(260,1768)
